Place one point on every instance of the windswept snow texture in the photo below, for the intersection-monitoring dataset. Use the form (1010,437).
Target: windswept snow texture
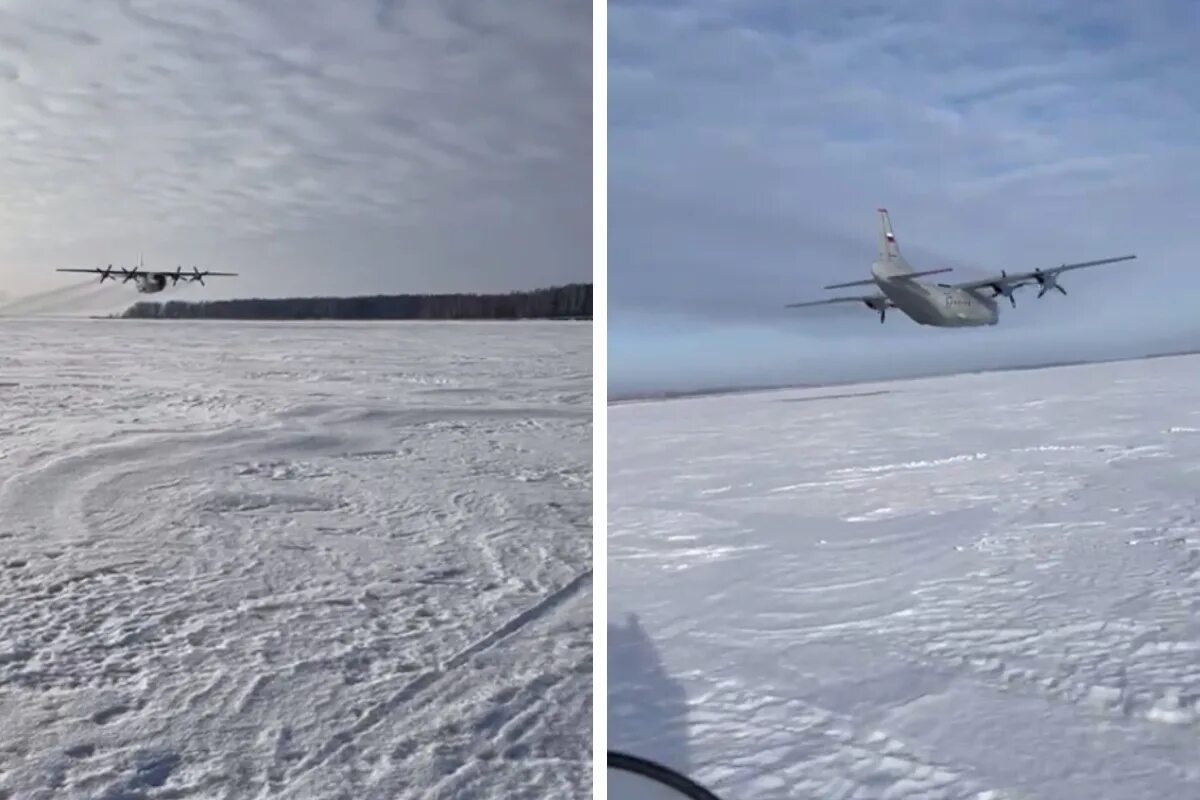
(980,586)
(295,560)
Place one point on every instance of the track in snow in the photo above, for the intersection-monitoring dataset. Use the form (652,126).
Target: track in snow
(295,560)
(979,586)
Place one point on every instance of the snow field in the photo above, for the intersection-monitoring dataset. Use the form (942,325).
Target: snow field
(295,560)
(978,586)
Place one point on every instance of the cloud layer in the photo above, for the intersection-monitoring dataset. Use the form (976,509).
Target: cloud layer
(353,146)
(751,141)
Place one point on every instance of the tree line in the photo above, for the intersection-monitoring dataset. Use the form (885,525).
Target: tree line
(573,301)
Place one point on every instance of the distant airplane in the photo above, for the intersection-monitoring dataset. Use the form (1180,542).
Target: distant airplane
(149,282)
(943,305)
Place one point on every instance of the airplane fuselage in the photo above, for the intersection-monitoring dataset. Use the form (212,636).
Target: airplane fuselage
(149,284)
(932,304)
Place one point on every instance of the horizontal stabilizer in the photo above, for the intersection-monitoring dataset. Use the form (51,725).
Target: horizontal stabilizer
(868,282)
(903,276)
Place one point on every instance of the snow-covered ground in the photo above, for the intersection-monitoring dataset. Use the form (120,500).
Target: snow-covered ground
(980,586)
(336,560)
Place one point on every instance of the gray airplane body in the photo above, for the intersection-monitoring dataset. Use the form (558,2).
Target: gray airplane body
(966,304)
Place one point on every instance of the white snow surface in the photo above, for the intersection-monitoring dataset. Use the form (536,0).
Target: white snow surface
(300,560)
(978,586)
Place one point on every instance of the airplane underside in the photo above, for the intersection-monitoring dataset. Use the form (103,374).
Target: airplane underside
(945,321)
(937,308)
(932,320)
(955,323)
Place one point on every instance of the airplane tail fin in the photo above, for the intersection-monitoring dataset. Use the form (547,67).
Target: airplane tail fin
(888,248)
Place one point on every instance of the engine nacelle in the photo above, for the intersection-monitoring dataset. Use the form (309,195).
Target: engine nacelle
(879,305)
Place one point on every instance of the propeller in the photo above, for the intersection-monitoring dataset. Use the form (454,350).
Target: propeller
(1048,281)
(176,275)
(129,274)
(881,308)
(106,273)
(1002,287)
(198,276)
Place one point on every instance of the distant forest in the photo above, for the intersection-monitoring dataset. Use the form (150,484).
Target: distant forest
(573,301)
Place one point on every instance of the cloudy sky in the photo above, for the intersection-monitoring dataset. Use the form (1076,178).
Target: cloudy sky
(751,141)
(313,146)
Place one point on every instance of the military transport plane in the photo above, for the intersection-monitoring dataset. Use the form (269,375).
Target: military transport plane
(149,282)
(945,305)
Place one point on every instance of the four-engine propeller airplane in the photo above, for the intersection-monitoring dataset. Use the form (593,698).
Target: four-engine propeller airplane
(150,281)
(945,305)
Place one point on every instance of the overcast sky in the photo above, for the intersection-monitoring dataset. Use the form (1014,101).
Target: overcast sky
(751,141)
(313,146)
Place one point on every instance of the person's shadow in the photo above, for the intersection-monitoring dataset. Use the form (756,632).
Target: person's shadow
(647,710)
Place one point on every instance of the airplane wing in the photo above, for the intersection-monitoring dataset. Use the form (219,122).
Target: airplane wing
(1042,276)
(94,270)
(875,301)
(184,274)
